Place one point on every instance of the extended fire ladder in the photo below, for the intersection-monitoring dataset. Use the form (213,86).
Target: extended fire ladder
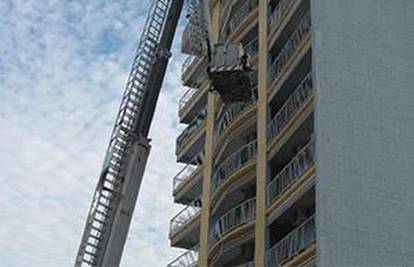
(117,189)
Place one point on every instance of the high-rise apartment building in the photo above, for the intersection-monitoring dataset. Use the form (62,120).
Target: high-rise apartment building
(318,169)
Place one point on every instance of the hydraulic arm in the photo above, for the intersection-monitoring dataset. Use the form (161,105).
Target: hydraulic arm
(116,192)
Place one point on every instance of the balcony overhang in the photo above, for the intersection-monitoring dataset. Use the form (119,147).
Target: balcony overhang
(189,189)
(188,235)
(192,146)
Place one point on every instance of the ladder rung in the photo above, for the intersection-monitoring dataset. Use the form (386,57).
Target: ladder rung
(89,262)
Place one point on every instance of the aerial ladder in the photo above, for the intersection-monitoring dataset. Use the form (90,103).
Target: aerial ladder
(116,192)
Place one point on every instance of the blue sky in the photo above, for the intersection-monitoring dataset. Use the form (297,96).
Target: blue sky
(63,67)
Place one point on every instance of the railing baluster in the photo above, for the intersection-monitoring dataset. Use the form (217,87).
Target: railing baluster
(233,162)
(296,241)
(277,66)
(299,96)
(240,214)
(290,173)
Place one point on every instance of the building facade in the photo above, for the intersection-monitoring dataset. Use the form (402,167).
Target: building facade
(318,168)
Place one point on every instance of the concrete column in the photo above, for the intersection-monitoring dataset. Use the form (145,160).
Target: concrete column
(260,225)
(208,147)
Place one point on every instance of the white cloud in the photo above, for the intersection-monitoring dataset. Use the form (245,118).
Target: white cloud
(63,65)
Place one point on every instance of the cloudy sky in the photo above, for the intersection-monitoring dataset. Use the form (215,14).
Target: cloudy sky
(63,67)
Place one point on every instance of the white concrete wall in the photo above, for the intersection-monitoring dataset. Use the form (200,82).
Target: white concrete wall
(364,74)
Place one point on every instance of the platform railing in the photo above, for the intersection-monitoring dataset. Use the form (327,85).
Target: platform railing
(240,214)
(276,17)
(303,160)
(291,245)
(191,128)
(289,49)
(187,259)
(294,102)
(234,162)
(183,218)
(241,13)
(184,175)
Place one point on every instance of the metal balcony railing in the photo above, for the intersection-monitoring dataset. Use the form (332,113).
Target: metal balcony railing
(183,218)
(242,12)
(187,63)
(242,213)
(187,259)
(191,128)
(228,117)
(295,101)
(234,162)
(276,17)
(292,244)
(291,46)
(252,47)
(183,176)
(290,173)
(187,96)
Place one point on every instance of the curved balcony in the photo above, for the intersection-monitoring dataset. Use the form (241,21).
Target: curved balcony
(187,259)
(193,74)
(228,117)
(234,162)
(185,228)
(187,184)
(188,63)
(293,244)
(290,49)
(190,104)
(236,19)
(302,162)
(241,214)
(190,139)
(293,104)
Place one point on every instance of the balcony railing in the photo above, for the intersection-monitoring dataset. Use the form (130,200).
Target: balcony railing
(292,244)
(276,17)
(290,173)
(242,213)
(234,162)
(241,13)
(291,46)
(252,47)
(183,218)
(295,101)
(187,96)
(187,259)
(191,128)
(187,63)
(183,176)
(228,117)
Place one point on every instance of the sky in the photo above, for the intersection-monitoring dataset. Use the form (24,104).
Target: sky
(63,68)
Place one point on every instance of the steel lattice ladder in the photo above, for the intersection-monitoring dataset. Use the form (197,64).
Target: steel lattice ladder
(106,222)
